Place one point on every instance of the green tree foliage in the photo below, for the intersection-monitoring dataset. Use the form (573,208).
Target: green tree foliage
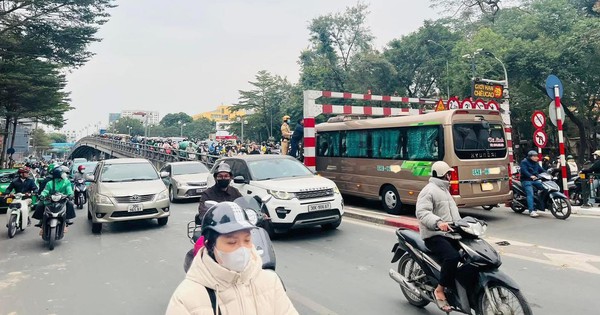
(57,137)
(125,124)
(40,140)
(174,119)
(199,128)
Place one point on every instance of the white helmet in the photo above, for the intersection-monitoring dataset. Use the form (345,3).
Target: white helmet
(440,168)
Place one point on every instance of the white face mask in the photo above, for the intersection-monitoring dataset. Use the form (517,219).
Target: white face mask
(236,260)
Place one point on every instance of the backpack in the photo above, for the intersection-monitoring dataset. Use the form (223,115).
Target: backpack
(213,300)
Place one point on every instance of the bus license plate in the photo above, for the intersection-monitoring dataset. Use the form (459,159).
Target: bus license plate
(319,206)
(487,186)
(136,207)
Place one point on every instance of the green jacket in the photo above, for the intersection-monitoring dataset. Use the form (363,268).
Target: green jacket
(62,186)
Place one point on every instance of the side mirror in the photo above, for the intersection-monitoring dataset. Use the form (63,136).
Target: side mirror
(90,178)
(164,174)
(240,180)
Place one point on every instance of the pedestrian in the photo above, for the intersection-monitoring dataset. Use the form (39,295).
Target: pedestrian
(226,276)
(297,137)
(286,133)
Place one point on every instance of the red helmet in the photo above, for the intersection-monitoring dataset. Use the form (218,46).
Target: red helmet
(23,170)
(81,168)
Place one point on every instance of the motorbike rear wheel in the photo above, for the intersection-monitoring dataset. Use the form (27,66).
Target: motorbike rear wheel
(516,207)
(51,238)
(12,225)
(575,197)
(560,208)
(507,301)
(409,269)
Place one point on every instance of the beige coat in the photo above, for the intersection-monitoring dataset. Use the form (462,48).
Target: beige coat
(254,291)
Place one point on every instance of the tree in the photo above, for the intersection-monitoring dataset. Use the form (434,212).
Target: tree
(199,129)
(39,140)
(174,119)
(121,126)
(56,137)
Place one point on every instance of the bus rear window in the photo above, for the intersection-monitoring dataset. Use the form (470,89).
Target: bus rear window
(473,141)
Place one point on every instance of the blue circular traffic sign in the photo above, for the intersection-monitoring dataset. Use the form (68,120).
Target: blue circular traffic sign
(551,81)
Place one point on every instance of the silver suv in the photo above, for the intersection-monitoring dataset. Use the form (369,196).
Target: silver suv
(124,190)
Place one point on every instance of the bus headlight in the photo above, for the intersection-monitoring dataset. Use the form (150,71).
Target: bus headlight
(284,195)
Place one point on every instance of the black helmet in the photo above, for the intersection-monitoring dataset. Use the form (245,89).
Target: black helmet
(223,167)
(225,217)
(58,171)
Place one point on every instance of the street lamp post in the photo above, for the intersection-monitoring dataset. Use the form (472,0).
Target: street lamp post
(181,131)
(129,130)
(447,66)
(242,123)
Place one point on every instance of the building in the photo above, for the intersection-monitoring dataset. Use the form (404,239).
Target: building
(222,113)
(153,117)
(112,117)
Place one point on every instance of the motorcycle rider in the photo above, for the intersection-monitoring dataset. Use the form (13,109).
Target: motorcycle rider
(80,174)
(595,168)
(530,169)
(22,184)
(435,210)
(220,192)
(48,176)
(59,184)
(226,277)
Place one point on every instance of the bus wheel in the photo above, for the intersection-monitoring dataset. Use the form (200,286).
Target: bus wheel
(391,200)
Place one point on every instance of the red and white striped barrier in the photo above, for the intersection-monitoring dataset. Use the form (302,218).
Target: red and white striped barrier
(312,110)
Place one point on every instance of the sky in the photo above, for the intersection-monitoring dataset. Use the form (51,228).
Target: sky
(193,55)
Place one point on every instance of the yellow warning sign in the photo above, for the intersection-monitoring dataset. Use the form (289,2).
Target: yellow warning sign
(440,106)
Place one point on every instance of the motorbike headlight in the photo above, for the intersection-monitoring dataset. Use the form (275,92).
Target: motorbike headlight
(475,229)
(55,198)
(252,216)
(162,195)
(103,200)
(284,195)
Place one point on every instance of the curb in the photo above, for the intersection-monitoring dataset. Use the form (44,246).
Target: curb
(395,221)
(585,211)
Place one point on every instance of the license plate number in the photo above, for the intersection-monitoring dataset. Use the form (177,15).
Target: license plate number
(487,186)
(137,207)
(319,206)
(199,190)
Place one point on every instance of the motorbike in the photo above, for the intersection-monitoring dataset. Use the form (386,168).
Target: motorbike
(80,192)
(549,198)
(253,206)
(574,186)
(480,286)
(54,219)
(17,215)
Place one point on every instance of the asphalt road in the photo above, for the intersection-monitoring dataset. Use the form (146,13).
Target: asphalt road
(133,268)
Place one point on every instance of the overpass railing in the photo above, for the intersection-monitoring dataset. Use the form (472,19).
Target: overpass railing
(154,153)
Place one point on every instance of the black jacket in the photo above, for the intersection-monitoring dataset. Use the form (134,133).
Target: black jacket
(20,186)
(298,132)
(214,193)
(595,168)
(530,168)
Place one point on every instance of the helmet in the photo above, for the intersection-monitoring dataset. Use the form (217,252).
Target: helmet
(547,158)
(569,157)
(286,117)
(58,171)
(440,168)
(81,168)
(531,153)
(597,152)
(223,168)
(23,170)
(51,167)
(224,218)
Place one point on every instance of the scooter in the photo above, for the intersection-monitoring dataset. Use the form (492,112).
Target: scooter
(17,215)
(480,286)
(260,238)
(549,198)
(80,193)
(54,220)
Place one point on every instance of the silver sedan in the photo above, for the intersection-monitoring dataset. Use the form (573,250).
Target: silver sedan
(186,179)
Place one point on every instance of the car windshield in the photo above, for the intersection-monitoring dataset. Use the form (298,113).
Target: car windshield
(189,168)
(277,168)
(128,172)
(89,167)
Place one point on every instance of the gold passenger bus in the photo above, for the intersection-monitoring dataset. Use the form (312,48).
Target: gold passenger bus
(390,158)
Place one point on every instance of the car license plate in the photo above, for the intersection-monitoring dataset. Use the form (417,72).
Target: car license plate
(199,190)
(487,186)
(136,207)
(319,206)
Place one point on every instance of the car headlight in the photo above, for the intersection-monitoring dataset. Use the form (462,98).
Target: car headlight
(162,195)
(336,190)
(179,184)
(102,199)
(281,194)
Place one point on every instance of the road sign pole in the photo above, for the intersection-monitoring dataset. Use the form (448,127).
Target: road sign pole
(561,140)
(540,156)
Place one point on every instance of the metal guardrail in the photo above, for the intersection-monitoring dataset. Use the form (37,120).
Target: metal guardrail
(155,154)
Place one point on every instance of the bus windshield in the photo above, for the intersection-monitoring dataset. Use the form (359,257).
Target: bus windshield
(474,141)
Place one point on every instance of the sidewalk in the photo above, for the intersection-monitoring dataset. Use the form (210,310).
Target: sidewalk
(409,222)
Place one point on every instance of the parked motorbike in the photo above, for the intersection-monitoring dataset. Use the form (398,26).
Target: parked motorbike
(80,192)
(574,186)
(549,198)
(260,238)
(54,220)
(17,215)
(480,286)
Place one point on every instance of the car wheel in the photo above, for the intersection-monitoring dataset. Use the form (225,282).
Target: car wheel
(268,226)
(390,199)
(163,221)
(331,226)
(96,228)
(172,197)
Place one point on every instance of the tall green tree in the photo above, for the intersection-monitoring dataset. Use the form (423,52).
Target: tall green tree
(173,119)
(127,125)
(57,137)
